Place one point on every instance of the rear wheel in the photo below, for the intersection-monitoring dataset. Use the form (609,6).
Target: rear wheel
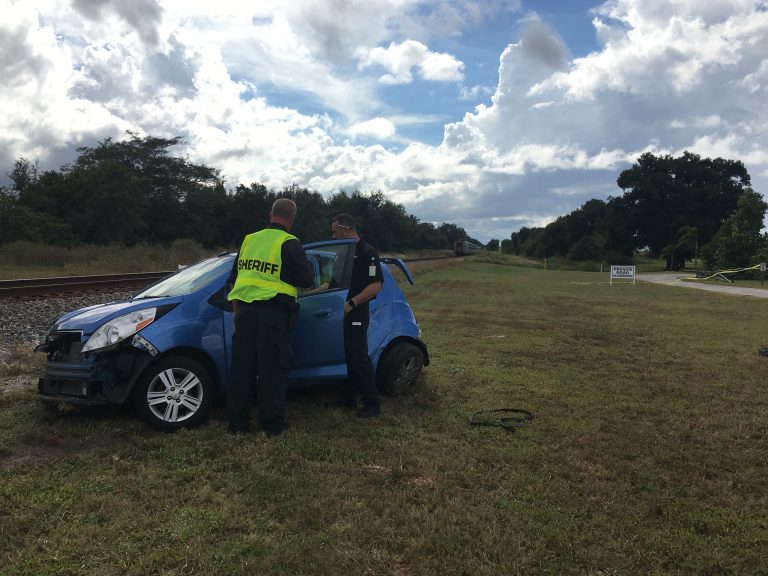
(174,393)
(399,369)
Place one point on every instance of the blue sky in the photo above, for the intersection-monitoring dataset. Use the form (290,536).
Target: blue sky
(491,114)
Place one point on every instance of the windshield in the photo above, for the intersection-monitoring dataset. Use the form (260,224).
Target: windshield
(188,280)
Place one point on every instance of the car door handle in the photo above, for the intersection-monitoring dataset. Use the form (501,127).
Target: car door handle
(322,313)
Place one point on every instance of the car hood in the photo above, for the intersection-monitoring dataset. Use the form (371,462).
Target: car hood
(89,319)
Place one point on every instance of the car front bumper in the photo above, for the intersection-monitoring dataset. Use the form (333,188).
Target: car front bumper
(94,379)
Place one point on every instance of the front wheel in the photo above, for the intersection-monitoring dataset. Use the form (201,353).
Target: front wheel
(175,392)
(399,368)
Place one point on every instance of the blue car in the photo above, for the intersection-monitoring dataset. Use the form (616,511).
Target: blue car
(168,348)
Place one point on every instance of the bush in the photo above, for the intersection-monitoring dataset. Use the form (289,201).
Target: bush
(185,251)
(26,253)
(506,259)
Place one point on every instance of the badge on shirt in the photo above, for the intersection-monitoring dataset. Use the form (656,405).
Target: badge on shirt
(371,270)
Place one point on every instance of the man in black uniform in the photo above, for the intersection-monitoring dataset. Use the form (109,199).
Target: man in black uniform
(270,265)
(365,283)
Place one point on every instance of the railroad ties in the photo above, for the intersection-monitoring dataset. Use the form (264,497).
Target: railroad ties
(67,284)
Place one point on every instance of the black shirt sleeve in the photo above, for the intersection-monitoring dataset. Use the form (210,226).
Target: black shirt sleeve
(297,270)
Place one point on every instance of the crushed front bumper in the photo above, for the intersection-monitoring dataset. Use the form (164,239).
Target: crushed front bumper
(75,382)
(93,379)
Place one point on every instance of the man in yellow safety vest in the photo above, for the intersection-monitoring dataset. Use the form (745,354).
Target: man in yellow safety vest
(270,265)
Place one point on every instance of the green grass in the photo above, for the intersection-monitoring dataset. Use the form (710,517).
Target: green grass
(647,455)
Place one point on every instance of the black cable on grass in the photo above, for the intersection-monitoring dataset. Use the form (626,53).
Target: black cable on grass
(510,423)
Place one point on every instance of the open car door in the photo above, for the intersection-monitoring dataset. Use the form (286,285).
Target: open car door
(318,339)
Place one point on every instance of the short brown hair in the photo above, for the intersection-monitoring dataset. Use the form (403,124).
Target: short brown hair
(345,220)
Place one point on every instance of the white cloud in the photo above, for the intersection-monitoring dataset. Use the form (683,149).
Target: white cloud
(601,111)
(543,45)
(671,75)
(475,92)
(40,115)
(707,122)
(400,60)
(665,47)
(757,81)
(380,128)
(730,146)
(141,15)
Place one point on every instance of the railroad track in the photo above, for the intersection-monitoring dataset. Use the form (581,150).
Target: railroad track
(68,284)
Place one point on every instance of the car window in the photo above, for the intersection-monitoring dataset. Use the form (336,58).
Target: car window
(189,279)
(329,264)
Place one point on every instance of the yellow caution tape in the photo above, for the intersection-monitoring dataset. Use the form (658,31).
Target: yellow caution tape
(721,273)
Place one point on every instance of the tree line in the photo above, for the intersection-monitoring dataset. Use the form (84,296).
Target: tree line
(677,208)
(136,190)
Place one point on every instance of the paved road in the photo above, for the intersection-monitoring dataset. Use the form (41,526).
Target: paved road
(673,279)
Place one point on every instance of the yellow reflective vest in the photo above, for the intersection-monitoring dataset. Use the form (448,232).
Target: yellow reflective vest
(258,267)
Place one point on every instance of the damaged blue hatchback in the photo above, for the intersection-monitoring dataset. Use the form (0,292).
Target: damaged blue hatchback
(167,349)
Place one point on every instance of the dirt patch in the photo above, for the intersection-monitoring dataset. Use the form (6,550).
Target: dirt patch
(40,454)
(675,280)
(27,455)
(38,448)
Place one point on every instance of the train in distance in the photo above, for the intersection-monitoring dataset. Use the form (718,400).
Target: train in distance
(465,248)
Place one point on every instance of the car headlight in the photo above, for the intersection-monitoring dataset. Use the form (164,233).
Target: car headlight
(120,328)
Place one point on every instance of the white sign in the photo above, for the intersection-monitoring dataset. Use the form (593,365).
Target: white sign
(623,273)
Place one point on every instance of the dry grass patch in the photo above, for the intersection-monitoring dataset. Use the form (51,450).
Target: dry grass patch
(19,360)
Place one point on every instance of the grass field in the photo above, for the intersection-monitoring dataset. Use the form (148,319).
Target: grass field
(648,453)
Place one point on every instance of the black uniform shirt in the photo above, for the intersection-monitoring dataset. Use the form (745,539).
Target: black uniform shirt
(365,270)
(295,269)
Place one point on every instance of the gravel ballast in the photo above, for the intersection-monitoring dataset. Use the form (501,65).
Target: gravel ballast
(26,321)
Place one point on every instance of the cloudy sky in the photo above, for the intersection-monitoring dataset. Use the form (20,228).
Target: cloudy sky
(491,114)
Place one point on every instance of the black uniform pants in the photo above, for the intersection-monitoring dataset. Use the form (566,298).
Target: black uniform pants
(261,359)
(360,382)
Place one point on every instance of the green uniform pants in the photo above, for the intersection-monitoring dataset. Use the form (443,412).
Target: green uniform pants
(261,359)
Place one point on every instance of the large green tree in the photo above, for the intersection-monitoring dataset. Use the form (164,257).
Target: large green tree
(669,205)
(452,232)
(313,221)
(380,221)
(32,210)
(248,211)
(665,193)
(204,211)
(168,181)
(139,190)
(684,246)
(739,239)
(110,203)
